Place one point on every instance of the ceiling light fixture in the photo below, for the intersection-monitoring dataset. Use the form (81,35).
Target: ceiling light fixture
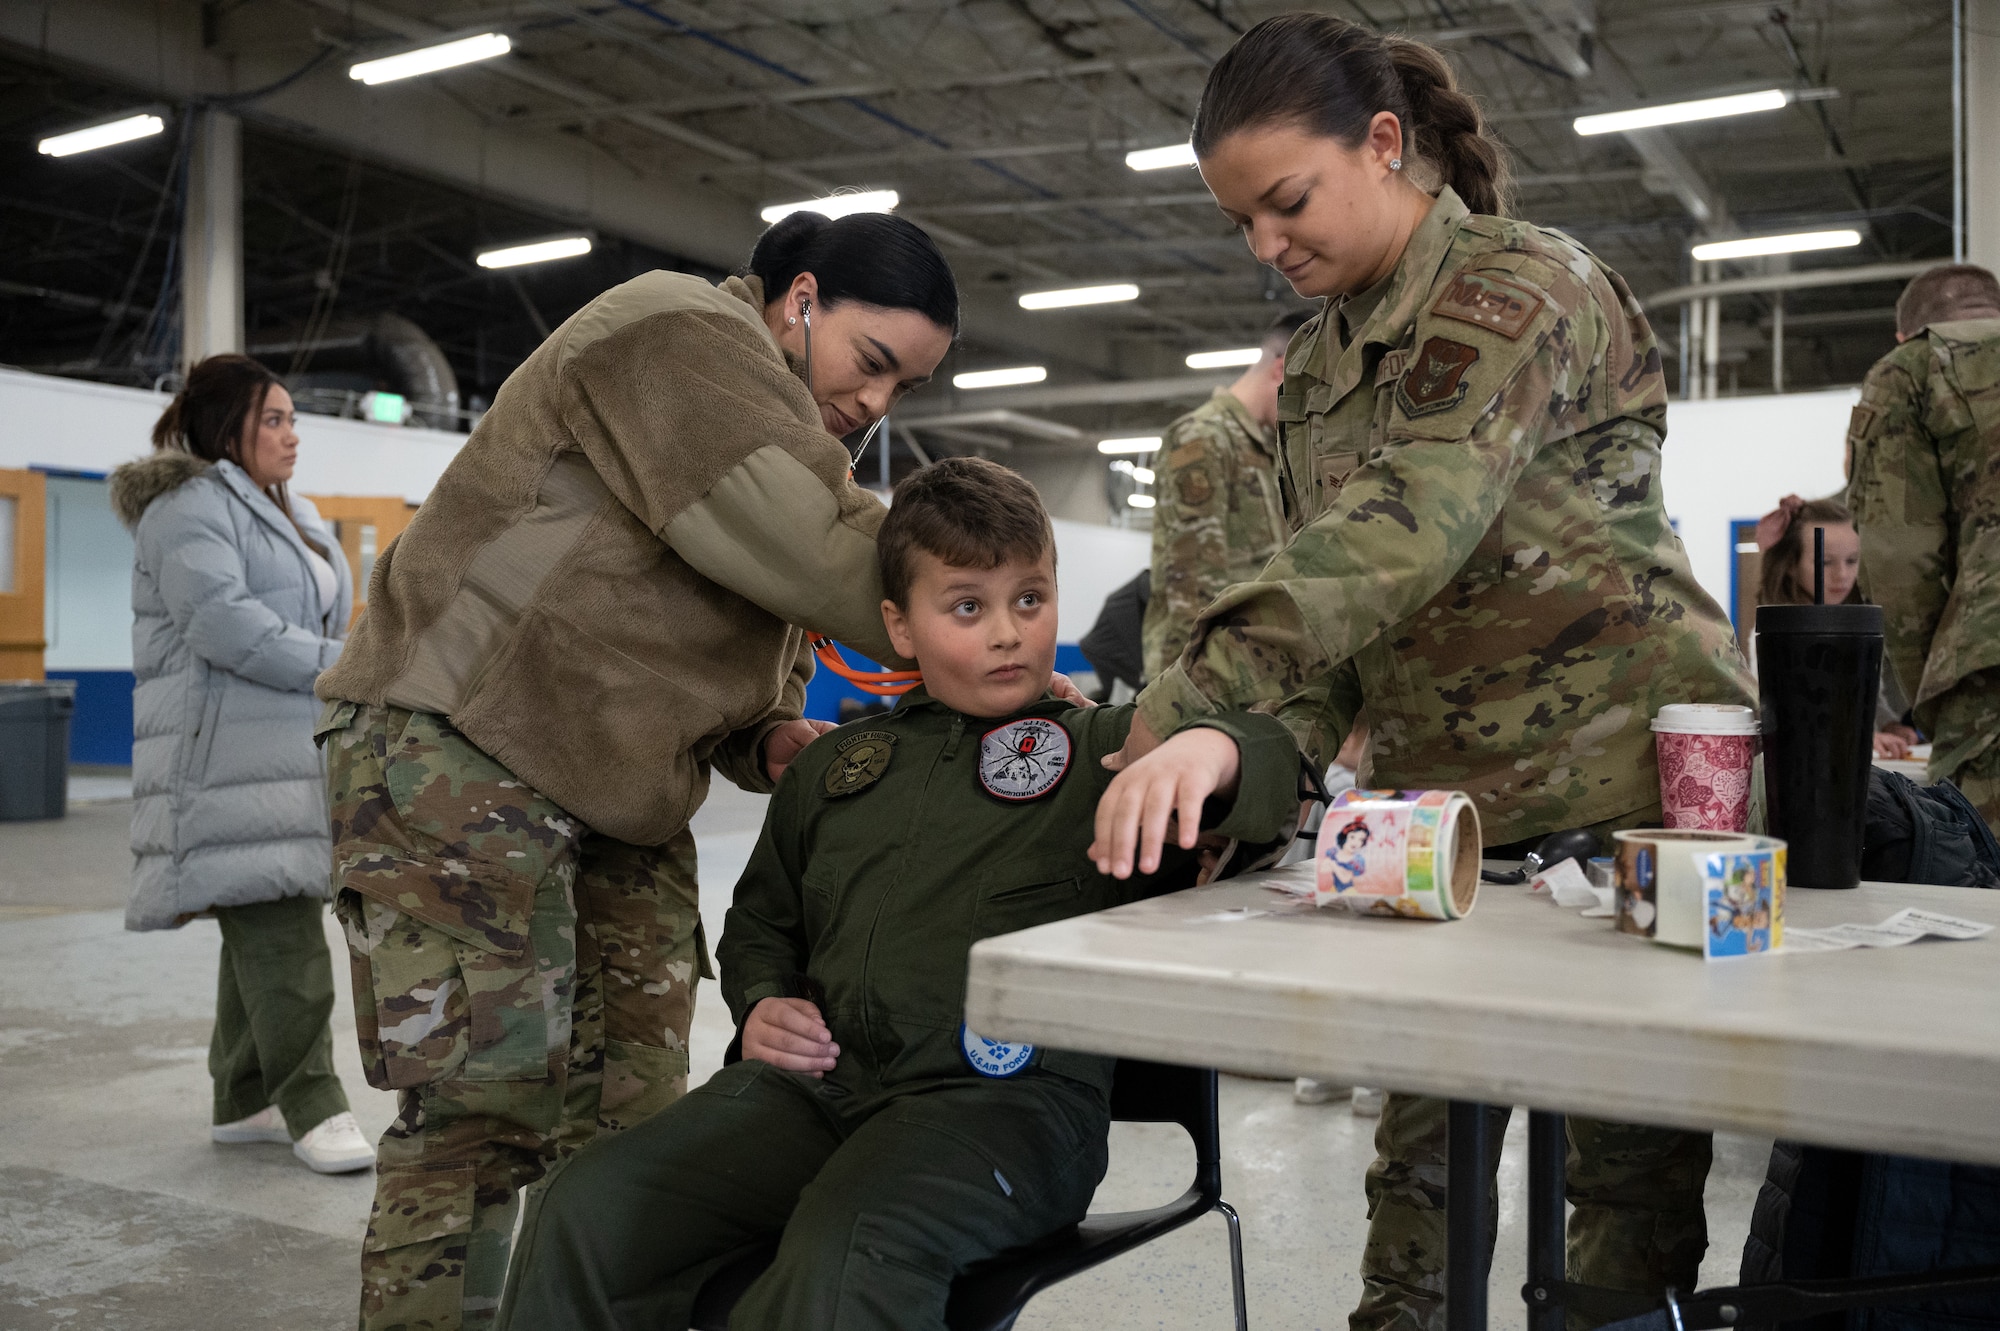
(1143,443)
(122,130)
(1060,300)
(837,205)
(431,59)
(1016,374)
(539,251)
(1140,501)
(1796,243)
(1676,113)
(1143,475)
(1154,159)
(1223,360)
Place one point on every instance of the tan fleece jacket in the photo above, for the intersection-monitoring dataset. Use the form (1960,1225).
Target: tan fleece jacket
(603,588)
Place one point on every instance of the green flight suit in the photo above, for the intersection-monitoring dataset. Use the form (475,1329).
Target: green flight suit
(1219,518)
(891,846)
(1471,460)
(1924,463)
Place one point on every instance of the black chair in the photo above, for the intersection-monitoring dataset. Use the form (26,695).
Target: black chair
(990,1296)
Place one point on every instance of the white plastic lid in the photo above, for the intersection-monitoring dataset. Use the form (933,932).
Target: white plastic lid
(1707,718)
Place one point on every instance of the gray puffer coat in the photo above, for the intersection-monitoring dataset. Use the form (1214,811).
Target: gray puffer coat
(228,636)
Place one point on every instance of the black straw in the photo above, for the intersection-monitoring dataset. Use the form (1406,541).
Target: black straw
(1819,566)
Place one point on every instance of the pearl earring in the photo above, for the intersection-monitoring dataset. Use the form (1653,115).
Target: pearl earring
(1395,164)
(791,321)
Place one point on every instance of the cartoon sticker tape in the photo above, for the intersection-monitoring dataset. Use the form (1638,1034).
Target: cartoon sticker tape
(1024,760)
(1413,853)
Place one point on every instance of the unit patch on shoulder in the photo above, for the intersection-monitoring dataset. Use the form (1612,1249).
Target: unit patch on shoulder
(993,1058)
(1859,421)
(1436,382)
(860,760)
(1195,486)
(1490,302)
(1024,760)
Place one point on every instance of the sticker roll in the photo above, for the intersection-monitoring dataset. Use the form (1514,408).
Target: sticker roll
(1662,888)
(1413,853)
(1743,900)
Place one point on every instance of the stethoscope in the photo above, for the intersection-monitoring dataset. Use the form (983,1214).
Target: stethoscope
(882,683)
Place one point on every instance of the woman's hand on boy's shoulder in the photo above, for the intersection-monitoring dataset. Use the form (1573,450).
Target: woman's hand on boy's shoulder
(1066,690)
(787,741)
(789,1034)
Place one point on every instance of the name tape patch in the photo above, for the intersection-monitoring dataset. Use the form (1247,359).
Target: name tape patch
(861,760)
(993,1058)
(1024,760)
(1489,302)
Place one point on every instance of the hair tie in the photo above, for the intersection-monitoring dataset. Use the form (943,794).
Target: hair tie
(1771,528)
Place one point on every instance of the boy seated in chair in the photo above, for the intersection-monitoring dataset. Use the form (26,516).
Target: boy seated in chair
(883,1146)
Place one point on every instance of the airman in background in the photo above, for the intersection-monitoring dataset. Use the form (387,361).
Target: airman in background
(1924,485)
(1219,518)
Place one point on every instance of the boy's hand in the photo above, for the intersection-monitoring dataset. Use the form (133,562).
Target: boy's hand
(1169,783)
(787,741)
(788,1033)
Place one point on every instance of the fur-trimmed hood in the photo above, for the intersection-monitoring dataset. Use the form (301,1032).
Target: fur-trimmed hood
(135,485)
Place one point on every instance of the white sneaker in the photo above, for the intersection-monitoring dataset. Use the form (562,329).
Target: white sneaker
(266,1125)
(1312,1091)
(335,1147)
(1368,1101)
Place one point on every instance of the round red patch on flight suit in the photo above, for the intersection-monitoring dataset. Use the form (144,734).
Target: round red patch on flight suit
(1024,760)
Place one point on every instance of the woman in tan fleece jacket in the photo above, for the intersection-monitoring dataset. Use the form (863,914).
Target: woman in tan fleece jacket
(605,596)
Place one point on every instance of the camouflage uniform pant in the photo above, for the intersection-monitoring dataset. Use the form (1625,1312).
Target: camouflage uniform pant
(1965,745)
(1638,1223)
(510,1034)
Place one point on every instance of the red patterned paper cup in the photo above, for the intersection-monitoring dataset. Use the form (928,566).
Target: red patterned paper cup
(1706,750)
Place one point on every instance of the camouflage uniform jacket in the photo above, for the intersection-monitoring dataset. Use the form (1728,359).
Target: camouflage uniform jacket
(1219,519)
(1482,554)
(1924,458)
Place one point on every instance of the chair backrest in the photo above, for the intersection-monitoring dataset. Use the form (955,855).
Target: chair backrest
(1143,1092)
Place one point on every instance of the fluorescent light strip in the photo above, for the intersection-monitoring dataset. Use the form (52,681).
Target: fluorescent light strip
(1143,475)
(1796,243)
(1677,113)
(1017,374)
(540,251)
(431,59)
(1060,300)
(101,136)
(837,205)
(1222,360)
(1140,501)
(1154,159)
(1144,443)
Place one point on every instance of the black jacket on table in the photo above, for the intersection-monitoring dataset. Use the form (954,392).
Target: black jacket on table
(896,842)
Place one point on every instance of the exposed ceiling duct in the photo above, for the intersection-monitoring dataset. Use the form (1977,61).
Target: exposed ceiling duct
(364,354)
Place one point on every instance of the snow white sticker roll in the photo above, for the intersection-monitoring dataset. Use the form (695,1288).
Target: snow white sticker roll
(1413,853)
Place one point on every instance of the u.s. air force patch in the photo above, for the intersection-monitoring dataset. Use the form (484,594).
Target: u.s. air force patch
(860,760)
(1436,382)
(1024,760)
(993,1058)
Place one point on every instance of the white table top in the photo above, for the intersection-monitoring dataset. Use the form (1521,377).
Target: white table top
(1526,1003)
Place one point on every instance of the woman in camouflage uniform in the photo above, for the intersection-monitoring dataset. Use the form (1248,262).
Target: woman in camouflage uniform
(1470,441)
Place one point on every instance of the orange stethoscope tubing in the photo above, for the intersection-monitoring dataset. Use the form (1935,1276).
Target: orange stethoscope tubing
(881,683)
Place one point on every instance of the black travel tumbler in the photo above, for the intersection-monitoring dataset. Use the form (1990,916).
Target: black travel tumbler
(1819,672)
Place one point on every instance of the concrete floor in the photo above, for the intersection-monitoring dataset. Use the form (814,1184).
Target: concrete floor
(117,1213)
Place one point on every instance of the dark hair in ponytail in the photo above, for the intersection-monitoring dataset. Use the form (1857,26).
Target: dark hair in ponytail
(1331,77)
(208,416)
(875,258)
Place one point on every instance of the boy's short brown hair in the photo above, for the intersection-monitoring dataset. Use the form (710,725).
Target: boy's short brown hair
(968,512)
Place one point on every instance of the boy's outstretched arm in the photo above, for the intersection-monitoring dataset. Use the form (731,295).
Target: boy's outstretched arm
(1246,758)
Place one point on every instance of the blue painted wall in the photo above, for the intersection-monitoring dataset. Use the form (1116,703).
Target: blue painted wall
(101,730)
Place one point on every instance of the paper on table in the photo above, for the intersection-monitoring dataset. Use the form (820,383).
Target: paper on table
(1905,926)
(1566,883)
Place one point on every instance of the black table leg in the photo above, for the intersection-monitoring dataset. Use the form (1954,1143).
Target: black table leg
(1468,1219)
(1548,1154)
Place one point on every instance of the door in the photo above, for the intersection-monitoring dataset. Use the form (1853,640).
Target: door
(1746,577)
(365,524)
(22,498)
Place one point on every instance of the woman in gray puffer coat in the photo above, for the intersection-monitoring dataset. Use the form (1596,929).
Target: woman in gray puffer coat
(240,598)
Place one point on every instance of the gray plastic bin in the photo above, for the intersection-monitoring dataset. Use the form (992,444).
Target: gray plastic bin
(34,748)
